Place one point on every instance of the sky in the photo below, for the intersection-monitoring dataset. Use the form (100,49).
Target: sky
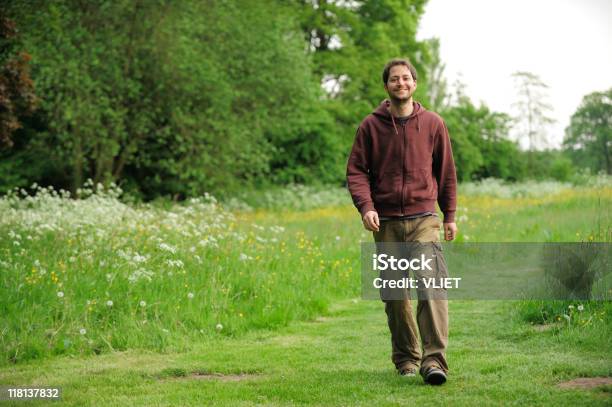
(567,43)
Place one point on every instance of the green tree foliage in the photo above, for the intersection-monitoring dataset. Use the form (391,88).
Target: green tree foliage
(588,138)
(480,142)
(172,98)
(176,97)
(350,42)
(17,98)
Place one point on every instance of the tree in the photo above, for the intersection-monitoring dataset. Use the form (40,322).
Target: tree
(17,97)
(588,138)
(437,87)
(350,42)
(533,109)
(480,141)
(172,98)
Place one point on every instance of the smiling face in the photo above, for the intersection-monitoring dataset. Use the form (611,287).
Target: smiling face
(401,85)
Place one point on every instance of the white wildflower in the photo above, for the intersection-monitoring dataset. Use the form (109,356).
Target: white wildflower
(109,303)
(60,294)
(140,274)
(139,259)
(580,307)
(190,295)
(82,331)
(175,263)
(167,248)
(277,229)
(142,304)
(219,327)
(244,257)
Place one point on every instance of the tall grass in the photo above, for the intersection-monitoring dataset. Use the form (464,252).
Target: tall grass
(88,275)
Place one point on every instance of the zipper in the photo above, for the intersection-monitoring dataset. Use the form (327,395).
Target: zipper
(403,164)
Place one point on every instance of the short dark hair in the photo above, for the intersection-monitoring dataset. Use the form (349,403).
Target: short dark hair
(398,61)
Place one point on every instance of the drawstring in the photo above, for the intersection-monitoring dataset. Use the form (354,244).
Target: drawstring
(394,126)
(418,126)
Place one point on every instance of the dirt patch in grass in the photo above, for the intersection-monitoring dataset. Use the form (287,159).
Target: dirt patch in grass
(586,383)
(182,374)
(220,377)
(545,327)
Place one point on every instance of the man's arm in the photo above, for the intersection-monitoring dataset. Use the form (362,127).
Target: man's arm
(445,173)
(358,173)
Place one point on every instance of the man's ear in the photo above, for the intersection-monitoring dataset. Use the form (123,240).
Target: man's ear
(386,88)
(415,84)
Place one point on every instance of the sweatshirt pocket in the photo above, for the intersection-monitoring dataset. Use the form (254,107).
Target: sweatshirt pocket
(420,184)
(385,189)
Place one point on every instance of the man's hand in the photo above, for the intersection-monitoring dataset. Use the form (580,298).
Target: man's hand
(370,221)
(450,231)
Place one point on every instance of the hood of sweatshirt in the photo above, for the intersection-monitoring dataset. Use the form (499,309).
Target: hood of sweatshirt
(382,113)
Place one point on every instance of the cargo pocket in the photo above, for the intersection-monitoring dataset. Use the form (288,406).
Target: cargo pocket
(441,267)
(435,277)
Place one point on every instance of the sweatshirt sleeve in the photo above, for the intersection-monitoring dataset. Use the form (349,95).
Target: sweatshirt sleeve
(358,172)
(445,173)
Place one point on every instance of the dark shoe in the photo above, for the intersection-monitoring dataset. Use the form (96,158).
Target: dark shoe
(434,375)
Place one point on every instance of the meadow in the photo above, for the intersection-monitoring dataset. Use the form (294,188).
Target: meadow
(159,283)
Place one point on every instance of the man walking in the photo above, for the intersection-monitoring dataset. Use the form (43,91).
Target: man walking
(400,165)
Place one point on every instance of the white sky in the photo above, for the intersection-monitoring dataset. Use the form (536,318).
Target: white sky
(567,43)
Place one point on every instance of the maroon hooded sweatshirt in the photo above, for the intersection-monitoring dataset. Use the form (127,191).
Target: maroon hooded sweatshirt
(402,170)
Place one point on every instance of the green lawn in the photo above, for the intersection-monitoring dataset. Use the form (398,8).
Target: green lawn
(341,359)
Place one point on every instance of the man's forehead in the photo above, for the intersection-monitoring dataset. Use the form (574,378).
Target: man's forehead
(399,70)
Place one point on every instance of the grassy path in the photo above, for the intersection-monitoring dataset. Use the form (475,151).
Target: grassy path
(341,359)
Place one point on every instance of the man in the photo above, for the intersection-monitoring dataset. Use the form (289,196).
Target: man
(401,163)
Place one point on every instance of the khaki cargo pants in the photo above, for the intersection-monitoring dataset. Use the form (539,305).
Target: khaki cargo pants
(432,315)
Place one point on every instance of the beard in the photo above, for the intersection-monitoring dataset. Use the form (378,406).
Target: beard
(401,97)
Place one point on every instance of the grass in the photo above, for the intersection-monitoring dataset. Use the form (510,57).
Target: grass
(207,303)
(340,359)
